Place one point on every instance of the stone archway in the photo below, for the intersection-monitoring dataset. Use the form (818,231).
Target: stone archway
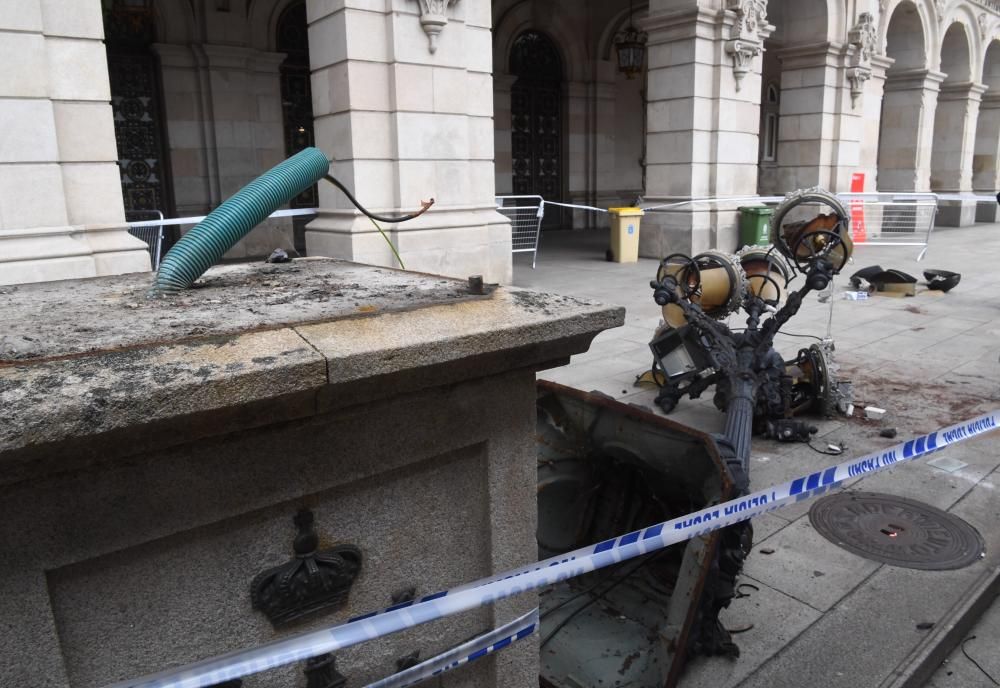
(986,158)
(951,125)
(796,98)
(955,124)
(907,122)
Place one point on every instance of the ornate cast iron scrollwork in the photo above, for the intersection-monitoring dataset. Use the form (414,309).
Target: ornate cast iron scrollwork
(321,672)
(311,582)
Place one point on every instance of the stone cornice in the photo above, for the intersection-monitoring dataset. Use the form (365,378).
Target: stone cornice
(914,79)
(813,55)
(320,356)
(174,55)
(882,61)
(962,90)
(667,27)
(990,101)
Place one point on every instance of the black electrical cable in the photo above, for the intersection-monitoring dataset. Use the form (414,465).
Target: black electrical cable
(589,602)
(821,451)
(604,579)
(424,205)
(978,665)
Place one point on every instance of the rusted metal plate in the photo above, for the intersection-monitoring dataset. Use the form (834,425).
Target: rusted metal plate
(897,531)
(606,468)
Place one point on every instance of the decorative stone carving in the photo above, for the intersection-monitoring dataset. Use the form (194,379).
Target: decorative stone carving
(863,37)
(311,582)
(433,19)
(940,6)
(751,15)
(982,25)
(857,76)
(742,53)
(746,41)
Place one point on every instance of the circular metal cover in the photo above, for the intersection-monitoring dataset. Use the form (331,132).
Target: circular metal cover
(896,531)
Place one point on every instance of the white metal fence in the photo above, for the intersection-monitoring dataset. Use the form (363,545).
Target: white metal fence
(525,213)
(151,231)
(147,225)
(892,219)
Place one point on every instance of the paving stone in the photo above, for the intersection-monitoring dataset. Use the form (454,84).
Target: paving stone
(756,612)
(805,566)
(869,633)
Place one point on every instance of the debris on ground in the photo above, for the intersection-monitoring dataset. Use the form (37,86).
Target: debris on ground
(278,255)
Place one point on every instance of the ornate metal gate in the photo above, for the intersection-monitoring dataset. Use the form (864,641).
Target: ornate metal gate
(536,118)
(296,91)
(136,106)
(296,103)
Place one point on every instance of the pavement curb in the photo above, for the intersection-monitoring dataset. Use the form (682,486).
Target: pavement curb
(918,666)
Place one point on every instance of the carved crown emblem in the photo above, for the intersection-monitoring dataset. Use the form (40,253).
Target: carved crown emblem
(312,581)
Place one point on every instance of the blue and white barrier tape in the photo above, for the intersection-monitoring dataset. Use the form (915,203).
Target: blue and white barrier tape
(549,571)
(469,651)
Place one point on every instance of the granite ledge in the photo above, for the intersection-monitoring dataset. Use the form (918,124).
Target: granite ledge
(59,413)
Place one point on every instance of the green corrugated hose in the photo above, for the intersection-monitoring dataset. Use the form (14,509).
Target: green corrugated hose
(205,244)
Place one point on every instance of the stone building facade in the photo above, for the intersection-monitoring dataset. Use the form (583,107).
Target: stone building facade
(113,107)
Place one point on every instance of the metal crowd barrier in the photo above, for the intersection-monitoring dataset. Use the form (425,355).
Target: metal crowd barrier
(525,214)
(149,232)
(892,219)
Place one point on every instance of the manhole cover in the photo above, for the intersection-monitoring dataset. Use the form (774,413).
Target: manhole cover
(896,531)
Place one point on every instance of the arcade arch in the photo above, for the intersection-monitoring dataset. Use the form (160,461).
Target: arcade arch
(795,97)
(908,103)
(955,115)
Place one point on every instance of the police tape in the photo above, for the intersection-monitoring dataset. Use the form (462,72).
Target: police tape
(469,651)
(716,200)
(555,569)
(574,206)
(294,212)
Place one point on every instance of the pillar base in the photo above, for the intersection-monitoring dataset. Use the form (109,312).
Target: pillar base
(988,212)
(456,242)
(44,254)
(956,213)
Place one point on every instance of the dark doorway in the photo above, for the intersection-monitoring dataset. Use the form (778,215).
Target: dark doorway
(536,119)
(296,101)
(137,107)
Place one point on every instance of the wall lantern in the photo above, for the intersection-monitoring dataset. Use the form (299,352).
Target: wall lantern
(630,44)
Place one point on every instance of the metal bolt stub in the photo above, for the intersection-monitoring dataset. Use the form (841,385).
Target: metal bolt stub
(897,531)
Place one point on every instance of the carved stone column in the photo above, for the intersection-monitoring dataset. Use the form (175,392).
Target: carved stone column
(61,210)
(870,108)
(986,159)
(954,143)
(403,104)
(702,119)
(816,128)
(907,130)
